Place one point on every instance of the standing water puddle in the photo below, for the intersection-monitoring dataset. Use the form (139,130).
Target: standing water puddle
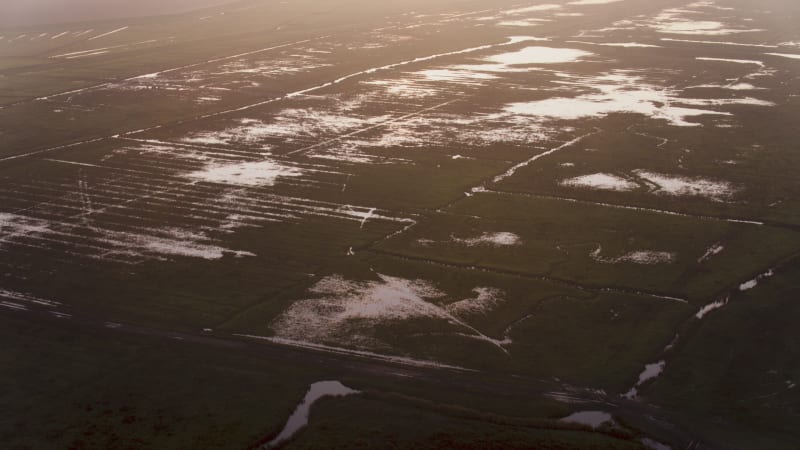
(299,417)
(593,419)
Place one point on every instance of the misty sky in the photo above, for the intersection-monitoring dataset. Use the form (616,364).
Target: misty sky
(17,13)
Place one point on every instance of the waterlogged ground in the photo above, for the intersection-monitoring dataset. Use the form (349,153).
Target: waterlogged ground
(557,190)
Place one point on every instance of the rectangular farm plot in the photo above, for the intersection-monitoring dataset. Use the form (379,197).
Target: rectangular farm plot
(476,319)
(126,229)
(631,250)
(743,172)
(602,341)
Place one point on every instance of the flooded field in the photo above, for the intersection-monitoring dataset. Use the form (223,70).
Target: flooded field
(565,193)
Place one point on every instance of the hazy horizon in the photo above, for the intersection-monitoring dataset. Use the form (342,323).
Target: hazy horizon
(22,13)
